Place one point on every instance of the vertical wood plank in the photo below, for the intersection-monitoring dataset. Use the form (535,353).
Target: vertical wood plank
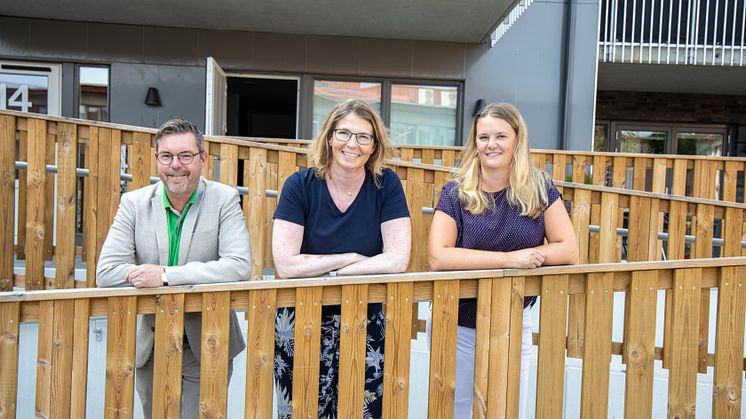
(260,351)
(7,199)
(482,341)
(67,191)
(167,355)
(730,180)
(448,158)
(678,179)
(9,325)
(599,292)
(728,381)
(705,173)
(286,166)
(353,327)
(516,346)
(499,348)
(676,230)
(428,156)
(406,154)
(119,393)
(61,360)
(550,383)
(417,197)
(578,168)
(213,385)
(80,358)
(703,231)
(49,197)
(682,387)
(253,207)
(208,169)
(307,352)
(270,205)
(639,341)
(581,217)
(229,164)
(599,178)
(442,355)
(619,172)
(141,160)
(732,232)
(36,205)
(609,242)
(399,297)
(640,170)
(90,204)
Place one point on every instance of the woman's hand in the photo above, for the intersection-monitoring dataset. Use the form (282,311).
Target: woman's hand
(525,258)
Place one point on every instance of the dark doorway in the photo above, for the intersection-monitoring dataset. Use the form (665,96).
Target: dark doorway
(259,107)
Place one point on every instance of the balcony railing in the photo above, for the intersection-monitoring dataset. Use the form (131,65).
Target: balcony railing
(700,32)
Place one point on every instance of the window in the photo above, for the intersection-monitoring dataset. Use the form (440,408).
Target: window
(30,87)
(652,138)
(93,93)
(424,115)
(329,93)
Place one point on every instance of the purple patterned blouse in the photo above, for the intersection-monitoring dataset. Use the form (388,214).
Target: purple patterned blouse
(502,229)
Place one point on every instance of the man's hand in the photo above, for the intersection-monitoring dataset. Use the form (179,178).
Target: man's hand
(145,276)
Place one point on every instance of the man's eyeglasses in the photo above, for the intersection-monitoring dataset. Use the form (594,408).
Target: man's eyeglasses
(185,158)
(344,135)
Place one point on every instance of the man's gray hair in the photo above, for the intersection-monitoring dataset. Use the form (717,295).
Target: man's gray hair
(180,126)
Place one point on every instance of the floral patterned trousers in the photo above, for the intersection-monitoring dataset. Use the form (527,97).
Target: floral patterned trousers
(329,365)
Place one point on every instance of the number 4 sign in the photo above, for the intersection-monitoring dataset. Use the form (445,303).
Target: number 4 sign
(18,99)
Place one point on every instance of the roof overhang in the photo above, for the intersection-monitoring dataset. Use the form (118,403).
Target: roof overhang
(430,20)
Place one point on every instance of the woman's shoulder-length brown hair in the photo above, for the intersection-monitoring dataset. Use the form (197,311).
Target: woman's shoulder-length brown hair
(320,149)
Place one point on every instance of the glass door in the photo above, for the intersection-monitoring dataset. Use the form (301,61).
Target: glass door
(30,87)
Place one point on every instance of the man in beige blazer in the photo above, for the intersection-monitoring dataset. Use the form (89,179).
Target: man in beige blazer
(182,230)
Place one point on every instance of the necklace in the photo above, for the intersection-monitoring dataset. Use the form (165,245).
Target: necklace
(336,187)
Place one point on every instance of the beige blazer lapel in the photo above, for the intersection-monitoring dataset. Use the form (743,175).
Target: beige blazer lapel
(187,229)
(161,224)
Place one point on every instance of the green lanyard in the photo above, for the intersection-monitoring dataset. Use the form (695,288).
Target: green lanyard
(175,222)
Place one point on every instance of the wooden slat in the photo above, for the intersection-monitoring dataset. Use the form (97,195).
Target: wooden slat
(353,327)
(516,346)
(167,355)
(428,156)
(67,197)
(61,359)
(141,160)
(550,383)
(728,381)
(406,154)
(608,239)
(639,173)
(499,347)
(253,207)
(705,173)
(209,167)
(120,357)
(448,158)
(599,291)
(578,169)
(272,178)
(676,247)
(90,207)
(682,387)
(639,341)
(307,352)
(9,327)
(44,359)
(703,231)
(599,178)
(398,313)
(619,171)
(559,168)
(49,199)
(260,353)
(732,232)
(213,385)
(482,341)
(79,380)
(730,180)
(581,218)
(286,166)
(22,202)
(229,164)
(36,205)
(7,199)
(442,353)
(417,196)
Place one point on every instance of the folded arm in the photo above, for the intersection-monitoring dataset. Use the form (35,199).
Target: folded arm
(397,242)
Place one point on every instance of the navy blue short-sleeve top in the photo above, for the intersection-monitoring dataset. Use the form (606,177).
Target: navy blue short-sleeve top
(501,229)
(305,200)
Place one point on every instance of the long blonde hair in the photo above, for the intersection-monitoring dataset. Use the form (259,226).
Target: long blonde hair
(528,185)
(321,151)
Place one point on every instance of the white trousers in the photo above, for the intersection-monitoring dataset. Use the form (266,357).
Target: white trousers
(465,348)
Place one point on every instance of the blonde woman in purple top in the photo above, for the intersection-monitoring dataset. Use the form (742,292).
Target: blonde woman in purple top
(499,212)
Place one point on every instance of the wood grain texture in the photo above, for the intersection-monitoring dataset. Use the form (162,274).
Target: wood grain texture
(45,342)
(260,348)
(682,387)
(49,196)
(550,383)
(594,399)
(396,381)
(7,199)
(36,204)
(119,392)
(9,328)
(79,382)
(639,344)
(168,349)
(482,341)
(229,164)
(417,197)
(90,207)
(307,352)
(499,349)
(140,161)
(728,381)
(213,385)
(581,218)
(442,355)
(67,196)
(352,352)
(253,207)
(516,346)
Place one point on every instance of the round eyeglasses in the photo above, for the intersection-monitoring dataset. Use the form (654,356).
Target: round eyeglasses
(185,158)
(344,135)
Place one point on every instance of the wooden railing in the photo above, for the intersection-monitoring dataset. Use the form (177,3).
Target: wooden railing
(63,328)
(717,226)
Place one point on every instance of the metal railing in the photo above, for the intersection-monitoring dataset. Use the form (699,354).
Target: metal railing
(509,20)
(699,32)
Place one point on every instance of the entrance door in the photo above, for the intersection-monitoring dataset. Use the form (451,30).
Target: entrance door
(215,99)
(262,106)
(30,87)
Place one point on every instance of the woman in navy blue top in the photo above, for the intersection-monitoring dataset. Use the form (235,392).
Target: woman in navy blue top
(347,214)
(499,212)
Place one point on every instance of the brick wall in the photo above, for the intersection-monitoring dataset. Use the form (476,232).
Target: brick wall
(675,108)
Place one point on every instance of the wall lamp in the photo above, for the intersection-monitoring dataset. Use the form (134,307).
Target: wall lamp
(478,106)
(153,98)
